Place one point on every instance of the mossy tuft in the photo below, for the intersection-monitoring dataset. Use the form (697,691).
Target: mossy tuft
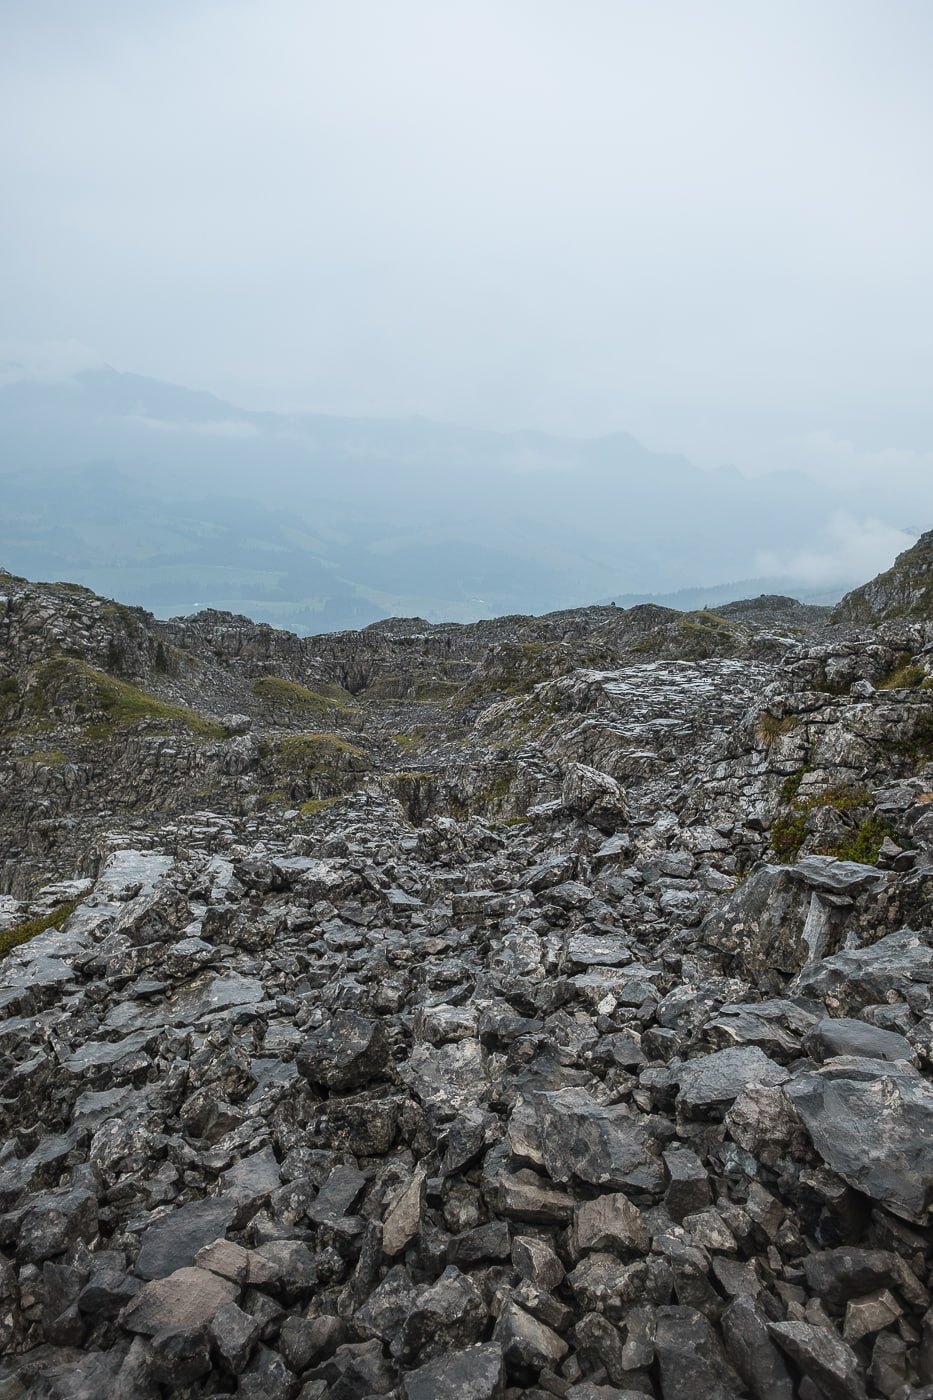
(22,933)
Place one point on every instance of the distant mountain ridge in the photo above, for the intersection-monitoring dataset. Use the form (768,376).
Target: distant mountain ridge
(176,500)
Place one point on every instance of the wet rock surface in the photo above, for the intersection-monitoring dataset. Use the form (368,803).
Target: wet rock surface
(540,1071)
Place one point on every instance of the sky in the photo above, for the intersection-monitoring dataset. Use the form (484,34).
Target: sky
(706,224)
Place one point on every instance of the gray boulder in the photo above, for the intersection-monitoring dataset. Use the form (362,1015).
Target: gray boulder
(345,1053)
(785,916)
(870,1121)
(843,1036)
(883,972)
(709,1084)
(595,796)
(474,1374)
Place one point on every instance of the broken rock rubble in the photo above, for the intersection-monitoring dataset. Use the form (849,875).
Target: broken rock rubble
(392,1164)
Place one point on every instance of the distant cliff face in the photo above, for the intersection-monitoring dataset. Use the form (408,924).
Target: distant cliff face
(903,591)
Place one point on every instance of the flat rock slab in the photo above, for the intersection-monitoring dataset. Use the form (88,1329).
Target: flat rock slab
(872,1122)
(186,1299)
(598,951)
(206,994)
(253,1179)
(172,1242)
(843,1036)
(836,876)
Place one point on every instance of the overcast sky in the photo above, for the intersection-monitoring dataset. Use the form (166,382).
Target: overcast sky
(706,222)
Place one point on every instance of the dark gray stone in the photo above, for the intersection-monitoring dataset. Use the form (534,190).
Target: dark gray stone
(527,1344)
(477,1373)
(602,1146)
(691,1359)
(836,1275)
(266,1376)
(55,1220)
(688,1186)
(347,1052)
(752,1352)
(843,1036)
(234,1334)
(449,1314)
(885,971)
(172,1242)
(822,1356)
(870,1122)
(777,918)
(712,1082)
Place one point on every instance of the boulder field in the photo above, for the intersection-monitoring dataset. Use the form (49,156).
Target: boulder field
(542,1009)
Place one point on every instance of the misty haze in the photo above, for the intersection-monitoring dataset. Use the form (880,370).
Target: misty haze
(466,700)
(503,308)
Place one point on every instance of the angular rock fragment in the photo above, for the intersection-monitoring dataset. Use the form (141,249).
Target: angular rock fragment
(690,1358)
(843,1036)
(55,1220)
(823,1357)
(610,1223)
(784,916)
(403,1219)
(474,1374)
(753,1353)
(526,1343)
(174,1240)
(712,1082)
(602,1146)
(187,1298)
(345,1053)
(595,796)
(870,1120)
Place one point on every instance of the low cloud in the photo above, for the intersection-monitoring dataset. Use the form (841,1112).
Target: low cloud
(219,427)
(846,550)
(47,362)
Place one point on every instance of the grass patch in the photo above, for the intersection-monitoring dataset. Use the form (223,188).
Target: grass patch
(844,798)
(791,786)
(918,749)
(276,797)
(770,729)
(436,690)
(864,845)
(49,758)
(905,675)
(408,743)
(276,690)
(316,804)
(790,828)
(787,836)
(315,750)
(22,933)
(64,684)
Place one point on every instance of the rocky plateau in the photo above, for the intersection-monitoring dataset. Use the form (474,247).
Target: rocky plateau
(537,1007)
